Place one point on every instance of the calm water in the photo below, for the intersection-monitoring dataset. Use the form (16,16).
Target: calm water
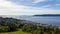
(55,20)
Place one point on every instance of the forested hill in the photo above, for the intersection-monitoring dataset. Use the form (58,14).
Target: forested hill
(48,15)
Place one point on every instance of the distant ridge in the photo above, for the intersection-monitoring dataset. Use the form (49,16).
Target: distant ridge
(48,15)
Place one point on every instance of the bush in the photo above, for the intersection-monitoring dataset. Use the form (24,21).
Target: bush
(4,29)
(38,32)
(29,27)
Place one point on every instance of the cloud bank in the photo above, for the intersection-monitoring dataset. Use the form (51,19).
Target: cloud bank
(37,1)
(11,8)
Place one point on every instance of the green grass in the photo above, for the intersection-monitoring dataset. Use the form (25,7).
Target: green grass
(16,32)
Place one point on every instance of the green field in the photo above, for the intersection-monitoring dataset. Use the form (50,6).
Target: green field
(16,32)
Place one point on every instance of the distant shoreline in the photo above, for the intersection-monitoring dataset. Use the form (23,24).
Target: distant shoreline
(48,15)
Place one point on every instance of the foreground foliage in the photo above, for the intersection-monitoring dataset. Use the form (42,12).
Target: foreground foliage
(16,32)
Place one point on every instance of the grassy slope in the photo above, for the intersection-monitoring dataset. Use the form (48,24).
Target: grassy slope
(16,32)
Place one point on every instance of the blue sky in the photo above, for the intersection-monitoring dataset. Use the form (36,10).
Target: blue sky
(29,7)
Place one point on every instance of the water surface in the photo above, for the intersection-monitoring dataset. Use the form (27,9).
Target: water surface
(55,20)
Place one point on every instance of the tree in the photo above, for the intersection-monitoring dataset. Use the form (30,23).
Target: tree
(29,27)
(38,32)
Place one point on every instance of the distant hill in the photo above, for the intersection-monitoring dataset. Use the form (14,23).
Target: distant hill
(48,15)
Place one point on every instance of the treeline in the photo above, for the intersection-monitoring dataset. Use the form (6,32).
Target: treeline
(12,24)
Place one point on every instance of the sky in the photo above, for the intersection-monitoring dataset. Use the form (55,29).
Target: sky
(29,7)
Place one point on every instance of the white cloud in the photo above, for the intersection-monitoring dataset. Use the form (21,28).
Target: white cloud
(37,1)
(9,8)
(57,4)
(46,6)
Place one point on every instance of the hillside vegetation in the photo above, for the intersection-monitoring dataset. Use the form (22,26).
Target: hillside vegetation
(16,32)
(16,26)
